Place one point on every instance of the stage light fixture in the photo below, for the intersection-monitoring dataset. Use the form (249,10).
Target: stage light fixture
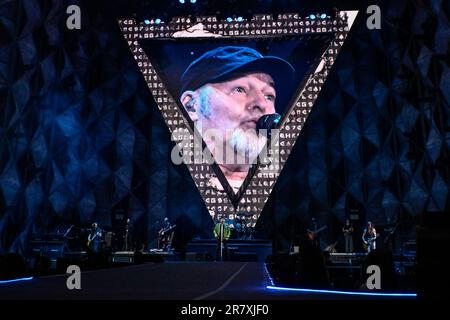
(158,21)
(229,19)
(239,19)
(181,1)
(193,1)
(312,16)
(323,16)
(146,21)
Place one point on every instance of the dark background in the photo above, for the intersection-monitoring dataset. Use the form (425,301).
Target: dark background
(80,136)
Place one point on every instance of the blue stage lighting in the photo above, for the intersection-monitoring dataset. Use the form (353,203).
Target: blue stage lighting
(312,16)
(146,21)
(239,19)
(193,1)
(16,280)
(158,21)
(181,1)
(357,293)
(323,16)
(230,19)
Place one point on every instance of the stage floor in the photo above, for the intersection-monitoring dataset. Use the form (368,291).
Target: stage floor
(165,281)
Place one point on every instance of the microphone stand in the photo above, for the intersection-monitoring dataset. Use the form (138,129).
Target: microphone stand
(68,231)
(221,250)
(221,243)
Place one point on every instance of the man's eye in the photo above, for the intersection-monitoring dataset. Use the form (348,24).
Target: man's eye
(239,89)
(270,97)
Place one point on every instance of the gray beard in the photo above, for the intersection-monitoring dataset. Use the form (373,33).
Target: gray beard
(247,144)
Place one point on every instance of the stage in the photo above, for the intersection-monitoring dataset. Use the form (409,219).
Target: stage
(168,281)
(133,134)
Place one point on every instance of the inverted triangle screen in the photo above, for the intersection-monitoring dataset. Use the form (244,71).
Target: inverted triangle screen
(212,84)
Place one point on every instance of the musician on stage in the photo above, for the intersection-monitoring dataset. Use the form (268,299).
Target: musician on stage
(222,233)
(166,234)
(313,231)
(128,236)
(166,224)
(94,241)
(389,232)
(369,237)
(347,229)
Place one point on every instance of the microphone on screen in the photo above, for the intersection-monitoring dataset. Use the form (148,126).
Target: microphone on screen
(268,122)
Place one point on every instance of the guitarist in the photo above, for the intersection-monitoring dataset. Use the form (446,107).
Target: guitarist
(369,237)
(312,233)
(166,235)
(94,242)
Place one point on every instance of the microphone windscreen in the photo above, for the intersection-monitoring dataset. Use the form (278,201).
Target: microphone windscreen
(268,121)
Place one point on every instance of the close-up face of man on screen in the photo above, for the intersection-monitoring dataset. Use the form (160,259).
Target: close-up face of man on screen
(225,92)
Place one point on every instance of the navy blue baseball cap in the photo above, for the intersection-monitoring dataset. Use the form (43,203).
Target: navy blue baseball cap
(224,63)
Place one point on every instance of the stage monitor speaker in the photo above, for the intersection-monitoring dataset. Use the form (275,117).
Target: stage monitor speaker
(127,257)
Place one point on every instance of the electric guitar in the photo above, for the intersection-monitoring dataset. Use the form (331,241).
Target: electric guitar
(368,242)
(167,230)
(90,239)
(331,248)
(312,235)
